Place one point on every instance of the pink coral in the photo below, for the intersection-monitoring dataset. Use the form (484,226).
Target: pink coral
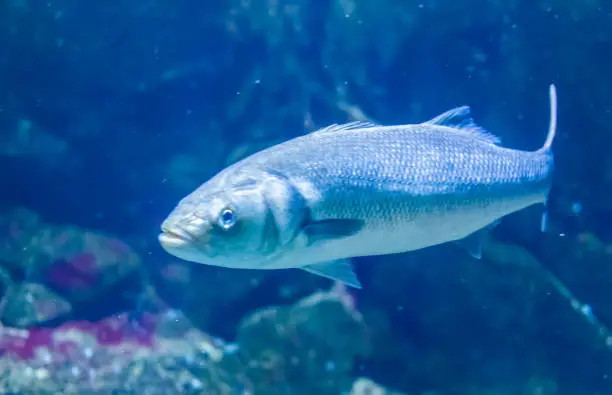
(66,339)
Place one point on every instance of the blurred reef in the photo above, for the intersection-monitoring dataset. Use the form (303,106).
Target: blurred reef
(111,111)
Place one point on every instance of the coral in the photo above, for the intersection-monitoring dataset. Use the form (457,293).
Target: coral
(83,366)
(309,346)
(63,264)
(74,335)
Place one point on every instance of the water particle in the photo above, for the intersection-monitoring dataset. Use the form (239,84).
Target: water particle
(41,374)
(576,208)
(231,348)
(172,315)
(116,367)
(189,358)
(586,310)
(196,384)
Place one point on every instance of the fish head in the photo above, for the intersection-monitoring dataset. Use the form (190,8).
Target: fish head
(230,221)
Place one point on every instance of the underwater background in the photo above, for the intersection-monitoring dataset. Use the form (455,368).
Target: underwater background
(111,111)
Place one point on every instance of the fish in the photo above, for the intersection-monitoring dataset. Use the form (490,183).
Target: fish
(359,189)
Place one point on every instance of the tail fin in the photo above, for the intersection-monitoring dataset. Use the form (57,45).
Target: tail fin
(552,126)
(546,148)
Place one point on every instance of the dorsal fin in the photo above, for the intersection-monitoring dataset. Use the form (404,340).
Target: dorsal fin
(460,119)
(346,126)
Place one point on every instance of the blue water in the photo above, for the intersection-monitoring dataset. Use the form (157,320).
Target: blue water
(110,112)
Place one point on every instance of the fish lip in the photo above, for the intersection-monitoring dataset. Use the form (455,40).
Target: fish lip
(174,237)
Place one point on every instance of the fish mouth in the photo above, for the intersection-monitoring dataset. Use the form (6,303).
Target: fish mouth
(174,238)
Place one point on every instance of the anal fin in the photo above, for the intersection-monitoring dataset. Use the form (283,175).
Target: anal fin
(473,243)
(338,270)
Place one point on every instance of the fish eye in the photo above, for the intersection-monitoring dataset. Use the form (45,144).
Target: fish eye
(227,219)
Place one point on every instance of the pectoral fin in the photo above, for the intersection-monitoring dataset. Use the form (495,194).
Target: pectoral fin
(340,270)
(330,229)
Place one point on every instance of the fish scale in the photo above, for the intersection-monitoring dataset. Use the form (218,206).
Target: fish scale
(360,189)
(426,162)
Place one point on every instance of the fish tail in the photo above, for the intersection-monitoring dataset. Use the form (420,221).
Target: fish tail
(547,147)
(552,126)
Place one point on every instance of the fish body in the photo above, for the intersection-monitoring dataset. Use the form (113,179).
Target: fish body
(359,189)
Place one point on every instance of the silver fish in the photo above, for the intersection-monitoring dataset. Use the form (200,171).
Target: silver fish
(359,189)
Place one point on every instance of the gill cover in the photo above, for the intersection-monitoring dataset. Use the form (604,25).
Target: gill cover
(287,206)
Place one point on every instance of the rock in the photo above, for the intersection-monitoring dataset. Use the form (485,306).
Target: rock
(29,304)
(364,386)
(18,227)
(83,264)
(5,283)
(309,347)
(126,368)
(306,348)
(541,386)
(79,264)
